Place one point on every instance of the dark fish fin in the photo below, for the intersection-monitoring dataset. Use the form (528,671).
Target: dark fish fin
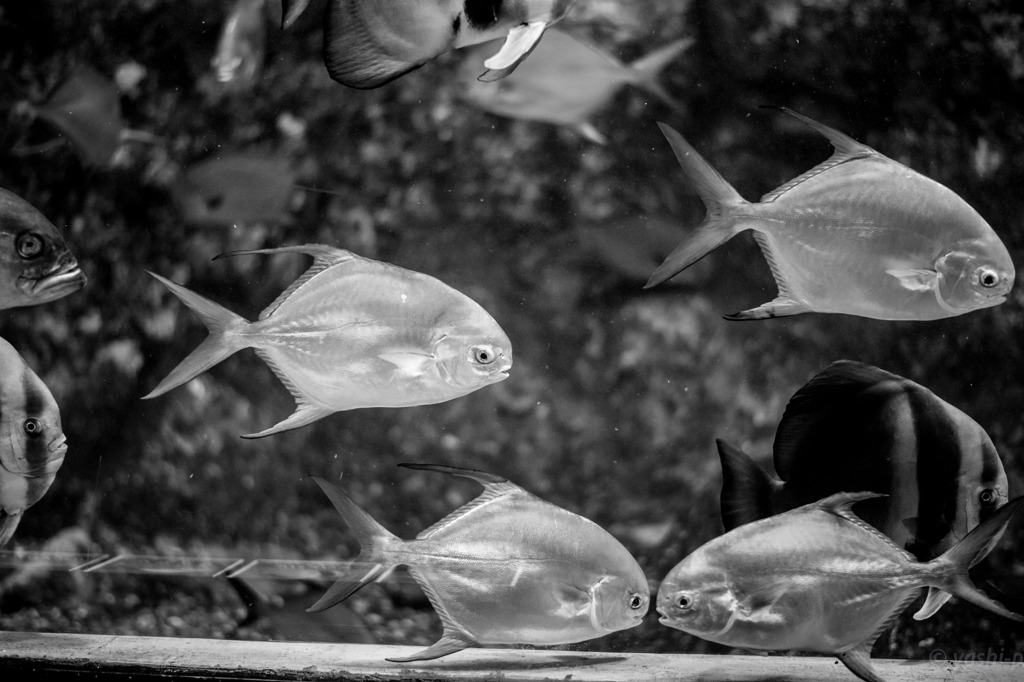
(819,408)
(372,536)
(323,257)
(453,638)
(780,307)
(968,552)
(911,524)
(936,600)
(256,603)
(846,149)
(9,524)
(720,200)
(306,410)
(86,107)
(352,54)
(494,487)
(214,348)
(747,489)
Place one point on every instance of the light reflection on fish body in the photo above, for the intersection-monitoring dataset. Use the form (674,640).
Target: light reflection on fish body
(352,333)
(369,43)
(818,579)
(32,444)
(564,82)
(506,568)
(858,234)
(242,45)
(36,265)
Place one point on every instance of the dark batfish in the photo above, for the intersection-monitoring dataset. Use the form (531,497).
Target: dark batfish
(86,107)
(506,568)
(855,427)
(564,82)
(858,234)
(369,43)
(32,444)
(36,265)
(816,578)
(237,188)
(354,332)
(242,45)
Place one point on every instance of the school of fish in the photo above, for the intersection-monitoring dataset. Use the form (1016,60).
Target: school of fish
(797,568)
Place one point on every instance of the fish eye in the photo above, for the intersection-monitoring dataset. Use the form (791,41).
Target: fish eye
(33,427)
(988,278)
(987,497)
(29,245)
(684,601)
(635,601)
(484,356)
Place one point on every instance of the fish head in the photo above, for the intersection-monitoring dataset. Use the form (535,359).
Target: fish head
(974,275)
(36,265)
(619,603)
(474,351)
(696,598)
(32,441)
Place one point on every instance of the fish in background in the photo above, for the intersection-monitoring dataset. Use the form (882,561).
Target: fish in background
(858,234)
(368,43)
(630,246)
(354,332)
(238,187)
(36,265)
(816,578)
(565,82)
(506,568)
(242,46)
(855,427)
(32,444)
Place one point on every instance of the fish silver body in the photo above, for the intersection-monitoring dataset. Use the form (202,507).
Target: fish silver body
(368,43)
(36,265)
(564,82)
(354,332)
(858,234)
(816,578)
(506,568)
(32,443)
(242,45)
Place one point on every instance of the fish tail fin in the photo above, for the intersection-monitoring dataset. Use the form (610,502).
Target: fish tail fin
(954,564)
(214,349)
(648,68)
(9,524)
(373,537)
(747,489)
(720,199)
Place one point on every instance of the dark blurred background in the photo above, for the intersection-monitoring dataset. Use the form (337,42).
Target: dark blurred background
(617,394)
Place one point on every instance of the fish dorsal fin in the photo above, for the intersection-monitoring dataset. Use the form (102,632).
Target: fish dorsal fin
(846,149)
(323,257)
(821,407)
(454,637)
(306,410)
(841,504)
(494,488)
(858,659)
(747,489)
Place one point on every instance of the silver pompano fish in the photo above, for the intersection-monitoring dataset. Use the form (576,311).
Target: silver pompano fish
(859,234)
(369,43)
(856,427)
(506,568)
(564,82)
(32,444)
(816,578)
(36,265)
(242,45)
(354,332)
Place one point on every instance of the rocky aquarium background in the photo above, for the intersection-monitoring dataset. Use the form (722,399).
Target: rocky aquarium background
(617,394)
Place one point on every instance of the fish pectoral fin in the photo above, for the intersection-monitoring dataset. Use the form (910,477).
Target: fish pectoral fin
(936,599)
(448,644)
(858,660)
(409,363)
(573,600)
(520,42)
(916,280)
(758,605)
(780,307)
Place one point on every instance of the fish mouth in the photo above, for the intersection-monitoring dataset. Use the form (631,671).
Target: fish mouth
(58,443)
(56,285)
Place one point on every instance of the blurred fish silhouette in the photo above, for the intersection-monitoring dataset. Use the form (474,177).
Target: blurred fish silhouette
(855,427)
(354,332)
(242,187)
(32,444)
(369,43)
(859,234)
(506,568)
(291,10)
(36,265)
(242,45)
(816,578)
(85,107)
(630,246)
(565,82)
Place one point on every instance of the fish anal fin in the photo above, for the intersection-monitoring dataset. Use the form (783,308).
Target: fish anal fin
(748,491)
(495,487)
(517,46)
(409,363)
(935,601)
(780,307)
(785,292)
(454,637)
(442,647)
(858,660)
(305,413)
(916,280)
